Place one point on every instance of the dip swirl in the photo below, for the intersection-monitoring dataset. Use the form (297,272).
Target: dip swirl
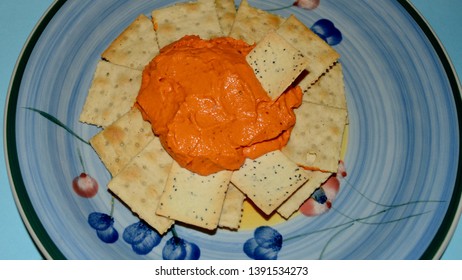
(209,110)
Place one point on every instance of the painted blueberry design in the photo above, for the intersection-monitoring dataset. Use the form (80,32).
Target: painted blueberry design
(179,249)
(141,237)
(326,29)
(104,226)
(265,244)
(144,239)
(319,196)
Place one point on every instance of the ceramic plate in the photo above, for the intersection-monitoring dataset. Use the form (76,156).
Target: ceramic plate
(399,200)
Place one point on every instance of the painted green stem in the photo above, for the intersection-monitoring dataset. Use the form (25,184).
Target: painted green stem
(57,122)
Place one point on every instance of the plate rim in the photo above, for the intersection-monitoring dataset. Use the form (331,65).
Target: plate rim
(49,250)
(448,226)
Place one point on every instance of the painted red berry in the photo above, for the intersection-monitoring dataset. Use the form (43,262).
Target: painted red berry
(341,169)
(85,185)
(312,208)
(307,4)
(331,188)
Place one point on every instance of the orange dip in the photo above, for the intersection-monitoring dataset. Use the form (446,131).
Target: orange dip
(209,110)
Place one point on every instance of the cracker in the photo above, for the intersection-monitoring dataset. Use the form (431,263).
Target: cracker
(135,46)
(316,50)
(329,90)
(112,93)
(293,203)
(118,143)
(141,183)
(226,11)
(276,63)
(194,199)
(231,213)
(269,180)
(192,18)
(252,24)
(317,136)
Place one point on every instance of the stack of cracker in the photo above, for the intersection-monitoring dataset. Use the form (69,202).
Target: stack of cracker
(152,184)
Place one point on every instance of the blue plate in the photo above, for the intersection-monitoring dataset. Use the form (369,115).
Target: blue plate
(400,200)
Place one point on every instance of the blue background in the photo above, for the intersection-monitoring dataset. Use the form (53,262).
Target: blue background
(17,20)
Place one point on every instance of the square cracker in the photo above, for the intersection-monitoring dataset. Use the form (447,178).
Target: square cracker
(276,63)
(293,203)
(317,136)
(135,46)
(320,54)
(329,90)
(252,24)
(141,183)
(269,180)
(112,93)
(231,213)
(194,199)
(118,143)
(191,18)
(226,11)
